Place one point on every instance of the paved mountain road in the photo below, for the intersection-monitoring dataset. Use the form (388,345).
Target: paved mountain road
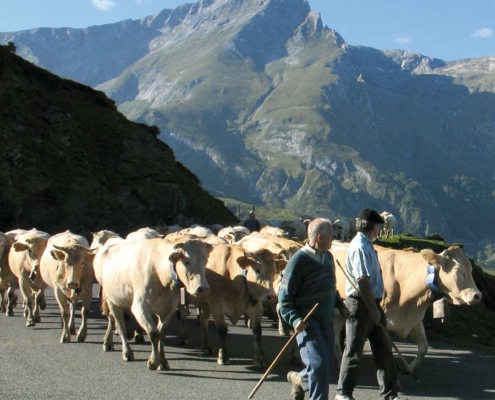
(33,365)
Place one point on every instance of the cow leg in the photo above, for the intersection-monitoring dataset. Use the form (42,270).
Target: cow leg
(108,338)
(255,314)
(39,303)
(25,289)
(162,329)
(204,318)
(182,313)
(64,312)
(11,302)
(144,318)
(418,335)
(223,355)
(72,317)
(118,317)
(283,327)
(86,295)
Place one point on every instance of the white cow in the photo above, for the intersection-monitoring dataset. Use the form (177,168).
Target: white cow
(389,225)
(146,276)
(24,260)
(8,281)
(66,266)
(342,230)
(144,233)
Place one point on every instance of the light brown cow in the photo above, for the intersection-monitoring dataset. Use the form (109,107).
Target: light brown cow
(24,261)
(146,276)
(239,282)
(407,294)
(8,281)
(272,230)
(66,266)
(290,246)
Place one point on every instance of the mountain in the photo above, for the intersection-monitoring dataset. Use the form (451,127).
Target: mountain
(267,105)
(70,160)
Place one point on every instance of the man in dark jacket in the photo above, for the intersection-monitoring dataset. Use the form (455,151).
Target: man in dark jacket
(252,223)
(309,278)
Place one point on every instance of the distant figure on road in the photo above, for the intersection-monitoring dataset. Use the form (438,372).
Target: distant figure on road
(252,223)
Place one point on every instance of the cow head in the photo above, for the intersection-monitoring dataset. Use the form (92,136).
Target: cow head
(455,279)
(34,248)
(189,258)
(75,259)
(261,267)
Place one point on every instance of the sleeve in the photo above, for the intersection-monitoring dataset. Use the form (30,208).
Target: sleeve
(359,263)
(287,291)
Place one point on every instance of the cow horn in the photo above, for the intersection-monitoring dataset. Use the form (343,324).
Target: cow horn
(60,248)
(179,246)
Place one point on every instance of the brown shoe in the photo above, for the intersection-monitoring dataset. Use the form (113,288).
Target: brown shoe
(297,391)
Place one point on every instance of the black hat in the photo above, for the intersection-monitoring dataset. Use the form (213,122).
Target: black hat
(371,215)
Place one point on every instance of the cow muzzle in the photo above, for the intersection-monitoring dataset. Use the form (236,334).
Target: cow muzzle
(73,285)
(202,291)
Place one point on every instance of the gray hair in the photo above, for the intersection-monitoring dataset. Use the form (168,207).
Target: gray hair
(363,225)
(318,226)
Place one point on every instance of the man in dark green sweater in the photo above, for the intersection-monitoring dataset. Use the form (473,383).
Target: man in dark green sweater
(309,278)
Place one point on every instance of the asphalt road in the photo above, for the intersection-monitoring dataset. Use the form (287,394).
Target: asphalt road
(34,365)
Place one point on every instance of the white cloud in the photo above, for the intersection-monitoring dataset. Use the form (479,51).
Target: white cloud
(104,5)
(483,33)
(402,40)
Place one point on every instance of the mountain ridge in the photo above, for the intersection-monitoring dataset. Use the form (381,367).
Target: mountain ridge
(265,104)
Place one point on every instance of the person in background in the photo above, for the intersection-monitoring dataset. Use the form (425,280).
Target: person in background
(309,278)
(252,223)
(363,269)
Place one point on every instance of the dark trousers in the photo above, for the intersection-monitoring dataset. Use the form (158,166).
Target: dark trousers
(359,328)
(316,348)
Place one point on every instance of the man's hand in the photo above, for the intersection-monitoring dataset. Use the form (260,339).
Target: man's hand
(345,312)
(300,326)
(374,314)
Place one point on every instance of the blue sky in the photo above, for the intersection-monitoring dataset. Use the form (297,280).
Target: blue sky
(445,29)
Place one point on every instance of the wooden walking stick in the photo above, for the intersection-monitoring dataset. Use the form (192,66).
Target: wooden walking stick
(280,354)
(406,364)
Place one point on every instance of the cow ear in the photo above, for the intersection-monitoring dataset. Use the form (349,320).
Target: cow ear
(280,263)
(20,246)
(245,261)
(431,257)
(176,255)
(58,255)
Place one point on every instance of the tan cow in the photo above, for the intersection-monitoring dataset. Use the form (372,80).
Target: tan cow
(144,233)
(233,234)
(66,266)
(289,246)
(407,294)
(272,230)
(146,276)
(240,282)
(24,261)
(8,281)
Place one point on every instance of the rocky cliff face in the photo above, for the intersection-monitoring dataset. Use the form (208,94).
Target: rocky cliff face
(265,104)
(70,160)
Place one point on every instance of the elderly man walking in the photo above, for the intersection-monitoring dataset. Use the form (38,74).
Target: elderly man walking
(309,278)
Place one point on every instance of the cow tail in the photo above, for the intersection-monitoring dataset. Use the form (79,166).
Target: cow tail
(105,310)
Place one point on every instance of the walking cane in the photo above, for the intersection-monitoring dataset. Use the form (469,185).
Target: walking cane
(406,364)
(280,354)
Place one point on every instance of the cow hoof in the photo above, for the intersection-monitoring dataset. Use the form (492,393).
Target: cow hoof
(10,313)
(37,319)
(25,313)
(81,338)
(164,366)
(259,364)
(128,356)
(30,322)
(139,338)
(108,347)
(223,362)
(152,366)
(65,339)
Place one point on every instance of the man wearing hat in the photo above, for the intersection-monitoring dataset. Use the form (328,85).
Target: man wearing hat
(363,269)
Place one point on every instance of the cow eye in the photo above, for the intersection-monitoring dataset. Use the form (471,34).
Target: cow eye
(258,271)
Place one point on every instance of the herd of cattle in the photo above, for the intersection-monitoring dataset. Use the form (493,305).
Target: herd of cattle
(225,272)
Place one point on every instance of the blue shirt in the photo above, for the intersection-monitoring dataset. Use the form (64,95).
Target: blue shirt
(362,261)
